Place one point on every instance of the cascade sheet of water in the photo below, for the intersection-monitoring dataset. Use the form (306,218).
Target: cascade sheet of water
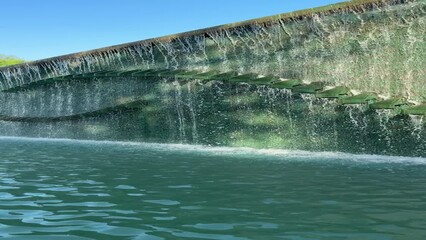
(381,49)
(215,113)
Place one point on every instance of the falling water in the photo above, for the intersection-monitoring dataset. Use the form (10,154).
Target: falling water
(381,50)
(374,48)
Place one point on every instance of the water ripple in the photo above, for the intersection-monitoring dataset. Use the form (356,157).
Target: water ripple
(88,190)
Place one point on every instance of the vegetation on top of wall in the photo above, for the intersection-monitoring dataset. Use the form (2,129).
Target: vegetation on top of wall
(9,60)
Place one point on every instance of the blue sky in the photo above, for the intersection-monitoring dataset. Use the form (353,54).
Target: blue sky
(37,29)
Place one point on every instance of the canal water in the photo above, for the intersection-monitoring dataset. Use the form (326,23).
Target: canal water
(67,189)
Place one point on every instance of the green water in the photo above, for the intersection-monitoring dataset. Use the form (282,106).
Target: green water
(66,189)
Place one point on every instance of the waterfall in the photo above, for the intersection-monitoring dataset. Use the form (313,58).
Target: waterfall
(377,48)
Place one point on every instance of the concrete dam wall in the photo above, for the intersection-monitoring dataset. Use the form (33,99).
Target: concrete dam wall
(198,88)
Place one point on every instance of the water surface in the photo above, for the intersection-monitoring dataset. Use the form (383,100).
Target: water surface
(63,189)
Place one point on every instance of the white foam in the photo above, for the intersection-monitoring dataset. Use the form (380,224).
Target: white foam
(237,151)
